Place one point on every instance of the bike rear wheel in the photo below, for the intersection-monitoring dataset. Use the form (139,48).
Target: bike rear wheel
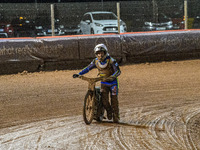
(88,108)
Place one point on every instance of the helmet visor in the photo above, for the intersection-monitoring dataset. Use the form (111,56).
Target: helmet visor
(100,49)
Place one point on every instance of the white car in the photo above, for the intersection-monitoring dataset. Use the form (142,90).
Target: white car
(100,22)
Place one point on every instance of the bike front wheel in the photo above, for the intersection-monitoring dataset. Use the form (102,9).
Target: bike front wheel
(88,108)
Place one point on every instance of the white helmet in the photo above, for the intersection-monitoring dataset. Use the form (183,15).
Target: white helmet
(101,47)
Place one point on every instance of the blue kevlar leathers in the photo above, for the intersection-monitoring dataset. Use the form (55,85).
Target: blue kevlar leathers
(108,68)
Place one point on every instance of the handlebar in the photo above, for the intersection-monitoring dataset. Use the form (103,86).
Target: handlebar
(91,80)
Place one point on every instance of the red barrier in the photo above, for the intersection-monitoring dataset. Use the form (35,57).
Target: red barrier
(160,45)
(70,52)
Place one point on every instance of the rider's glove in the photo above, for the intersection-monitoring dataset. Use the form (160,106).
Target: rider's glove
(75,75)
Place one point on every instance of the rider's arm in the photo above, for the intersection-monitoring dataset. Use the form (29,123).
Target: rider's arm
(116,69)
(88,68)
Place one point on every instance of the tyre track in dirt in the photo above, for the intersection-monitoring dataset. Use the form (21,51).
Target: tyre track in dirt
(159,108)
(161,132)
(193,130)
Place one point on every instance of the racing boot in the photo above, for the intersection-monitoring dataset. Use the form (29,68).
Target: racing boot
(115,107)
(116,118)
(106,104)
(109,114)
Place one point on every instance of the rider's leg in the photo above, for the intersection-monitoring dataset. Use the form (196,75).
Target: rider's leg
(105,99)
(115,107)
(115,103)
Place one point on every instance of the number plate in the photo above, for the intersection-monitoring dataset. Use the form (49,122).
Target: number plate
(161,28)
(54,30)
(110,29)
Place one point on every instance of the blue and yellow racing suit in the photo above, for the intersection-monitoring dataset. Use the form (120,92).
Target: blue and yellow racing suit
(108,68)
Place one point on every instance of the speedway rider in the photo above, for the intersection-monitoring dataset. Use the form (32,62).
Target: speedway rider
(107,67)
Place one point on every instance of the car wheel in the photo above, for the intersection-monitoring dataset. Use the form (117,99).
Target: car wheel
(80,32)
(32,34)
(18,35)
(92,31)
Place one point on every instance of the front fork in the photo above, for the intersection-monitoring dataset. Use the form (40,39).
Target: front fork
(98,103)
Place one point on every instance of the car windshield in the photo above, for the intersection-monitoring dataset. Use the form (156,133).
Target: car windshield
(104,16)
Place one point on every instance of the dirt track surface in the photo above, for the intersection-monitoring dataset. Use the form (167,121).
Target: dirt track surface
(159,109)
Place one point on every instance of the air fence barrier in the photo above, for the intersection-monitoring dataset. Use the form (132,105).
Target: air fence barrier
(75,52)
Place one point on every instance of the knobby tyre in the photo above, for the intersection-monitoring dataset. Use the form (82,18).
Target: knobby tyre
(88,108)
